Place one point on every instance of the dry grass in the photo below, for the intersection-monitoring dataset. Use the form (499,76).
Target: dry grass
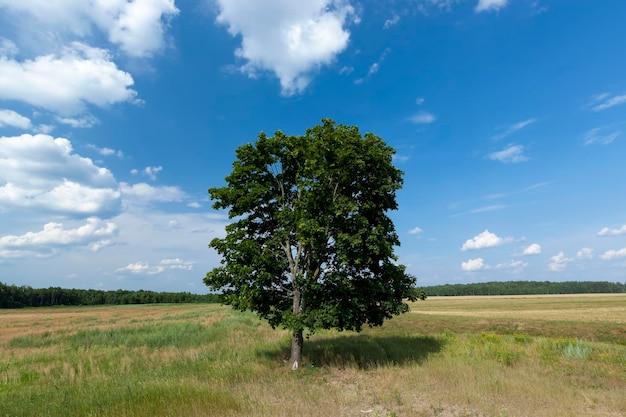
(459,357)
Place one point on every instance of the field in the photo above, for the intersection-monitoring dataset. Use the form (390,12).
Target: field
(467,356)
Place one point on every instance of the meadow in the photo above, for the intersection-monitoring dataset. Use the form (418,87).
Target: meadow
(458,356)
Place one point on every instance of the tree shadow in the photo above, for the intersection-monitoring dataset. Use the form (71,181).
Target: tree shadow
(361,351)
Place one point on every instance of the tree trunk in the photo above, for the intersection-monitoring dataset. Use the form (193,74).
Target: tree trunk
(296,338)
(297,341)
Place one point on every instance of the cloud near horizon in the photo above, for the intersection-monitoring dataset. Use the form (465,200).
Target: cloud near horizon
(474,265)
(94,234)
(484,240)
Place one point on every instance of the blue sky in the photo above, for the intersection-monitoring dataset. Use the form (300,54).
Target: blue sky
(509,118)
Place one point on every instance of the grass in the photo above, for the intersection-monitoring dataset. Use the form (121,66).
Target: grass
(448,357)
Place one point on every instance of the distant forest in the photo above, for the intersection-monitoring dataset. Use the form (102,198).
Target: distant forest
(525,288)
(12,296)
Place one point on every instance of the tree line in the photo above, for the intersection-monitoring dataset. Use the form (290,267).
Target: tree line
(525,288)
(12,296)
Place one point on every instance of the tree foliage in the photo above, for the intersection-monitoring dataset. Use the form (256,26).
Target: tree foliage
(311,245)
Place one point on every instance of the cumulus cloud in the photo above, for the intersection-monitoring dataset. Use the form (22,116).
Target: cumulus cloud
(415,231)
(41,172)
(290,39)
(79,122)
(152,172)
(144,193)
(584,253)
(141,268)
(138,27)
(7,47)
(474,265)
(605,101)
(106,151)
(14,119)
(515,267)
(484,240)
(612,232)
(92,234)
(533,249)
(509,130)
(422,117)
(614,254)
(164,265)
(487,5)
(66,82)
(559,262)
(176,263)
(510,155)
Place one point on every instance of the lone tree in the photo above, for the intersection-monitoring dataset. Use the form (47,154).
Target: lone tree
(311,245)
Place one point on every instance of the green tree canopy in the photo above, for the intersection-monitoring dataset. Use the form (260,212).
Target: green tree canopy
(311,245)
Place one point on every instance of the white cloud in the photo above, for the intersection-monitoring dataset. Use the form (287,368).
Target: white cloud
(486,5)
(137,26)
(422,117)
(612,232)
(290,39)
(415,231)
(604,101)
(44,173)
(81,122)
(140,25)
(177,264)
(516,267)
(164,264)
(106,151)
(373,69)
(66,82)
(419,101)
(614,254)
(8,47)
(194,204)
(509,130)
(533,249)
(143,193)
(474,265)
(400,158)
(512,154)
(559,262)
(53,235)
(141,268)
(152,171)
(346,70)
(391,22)
(584,253)
(14,119)
(484,240)
(45,129)
(600,135)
